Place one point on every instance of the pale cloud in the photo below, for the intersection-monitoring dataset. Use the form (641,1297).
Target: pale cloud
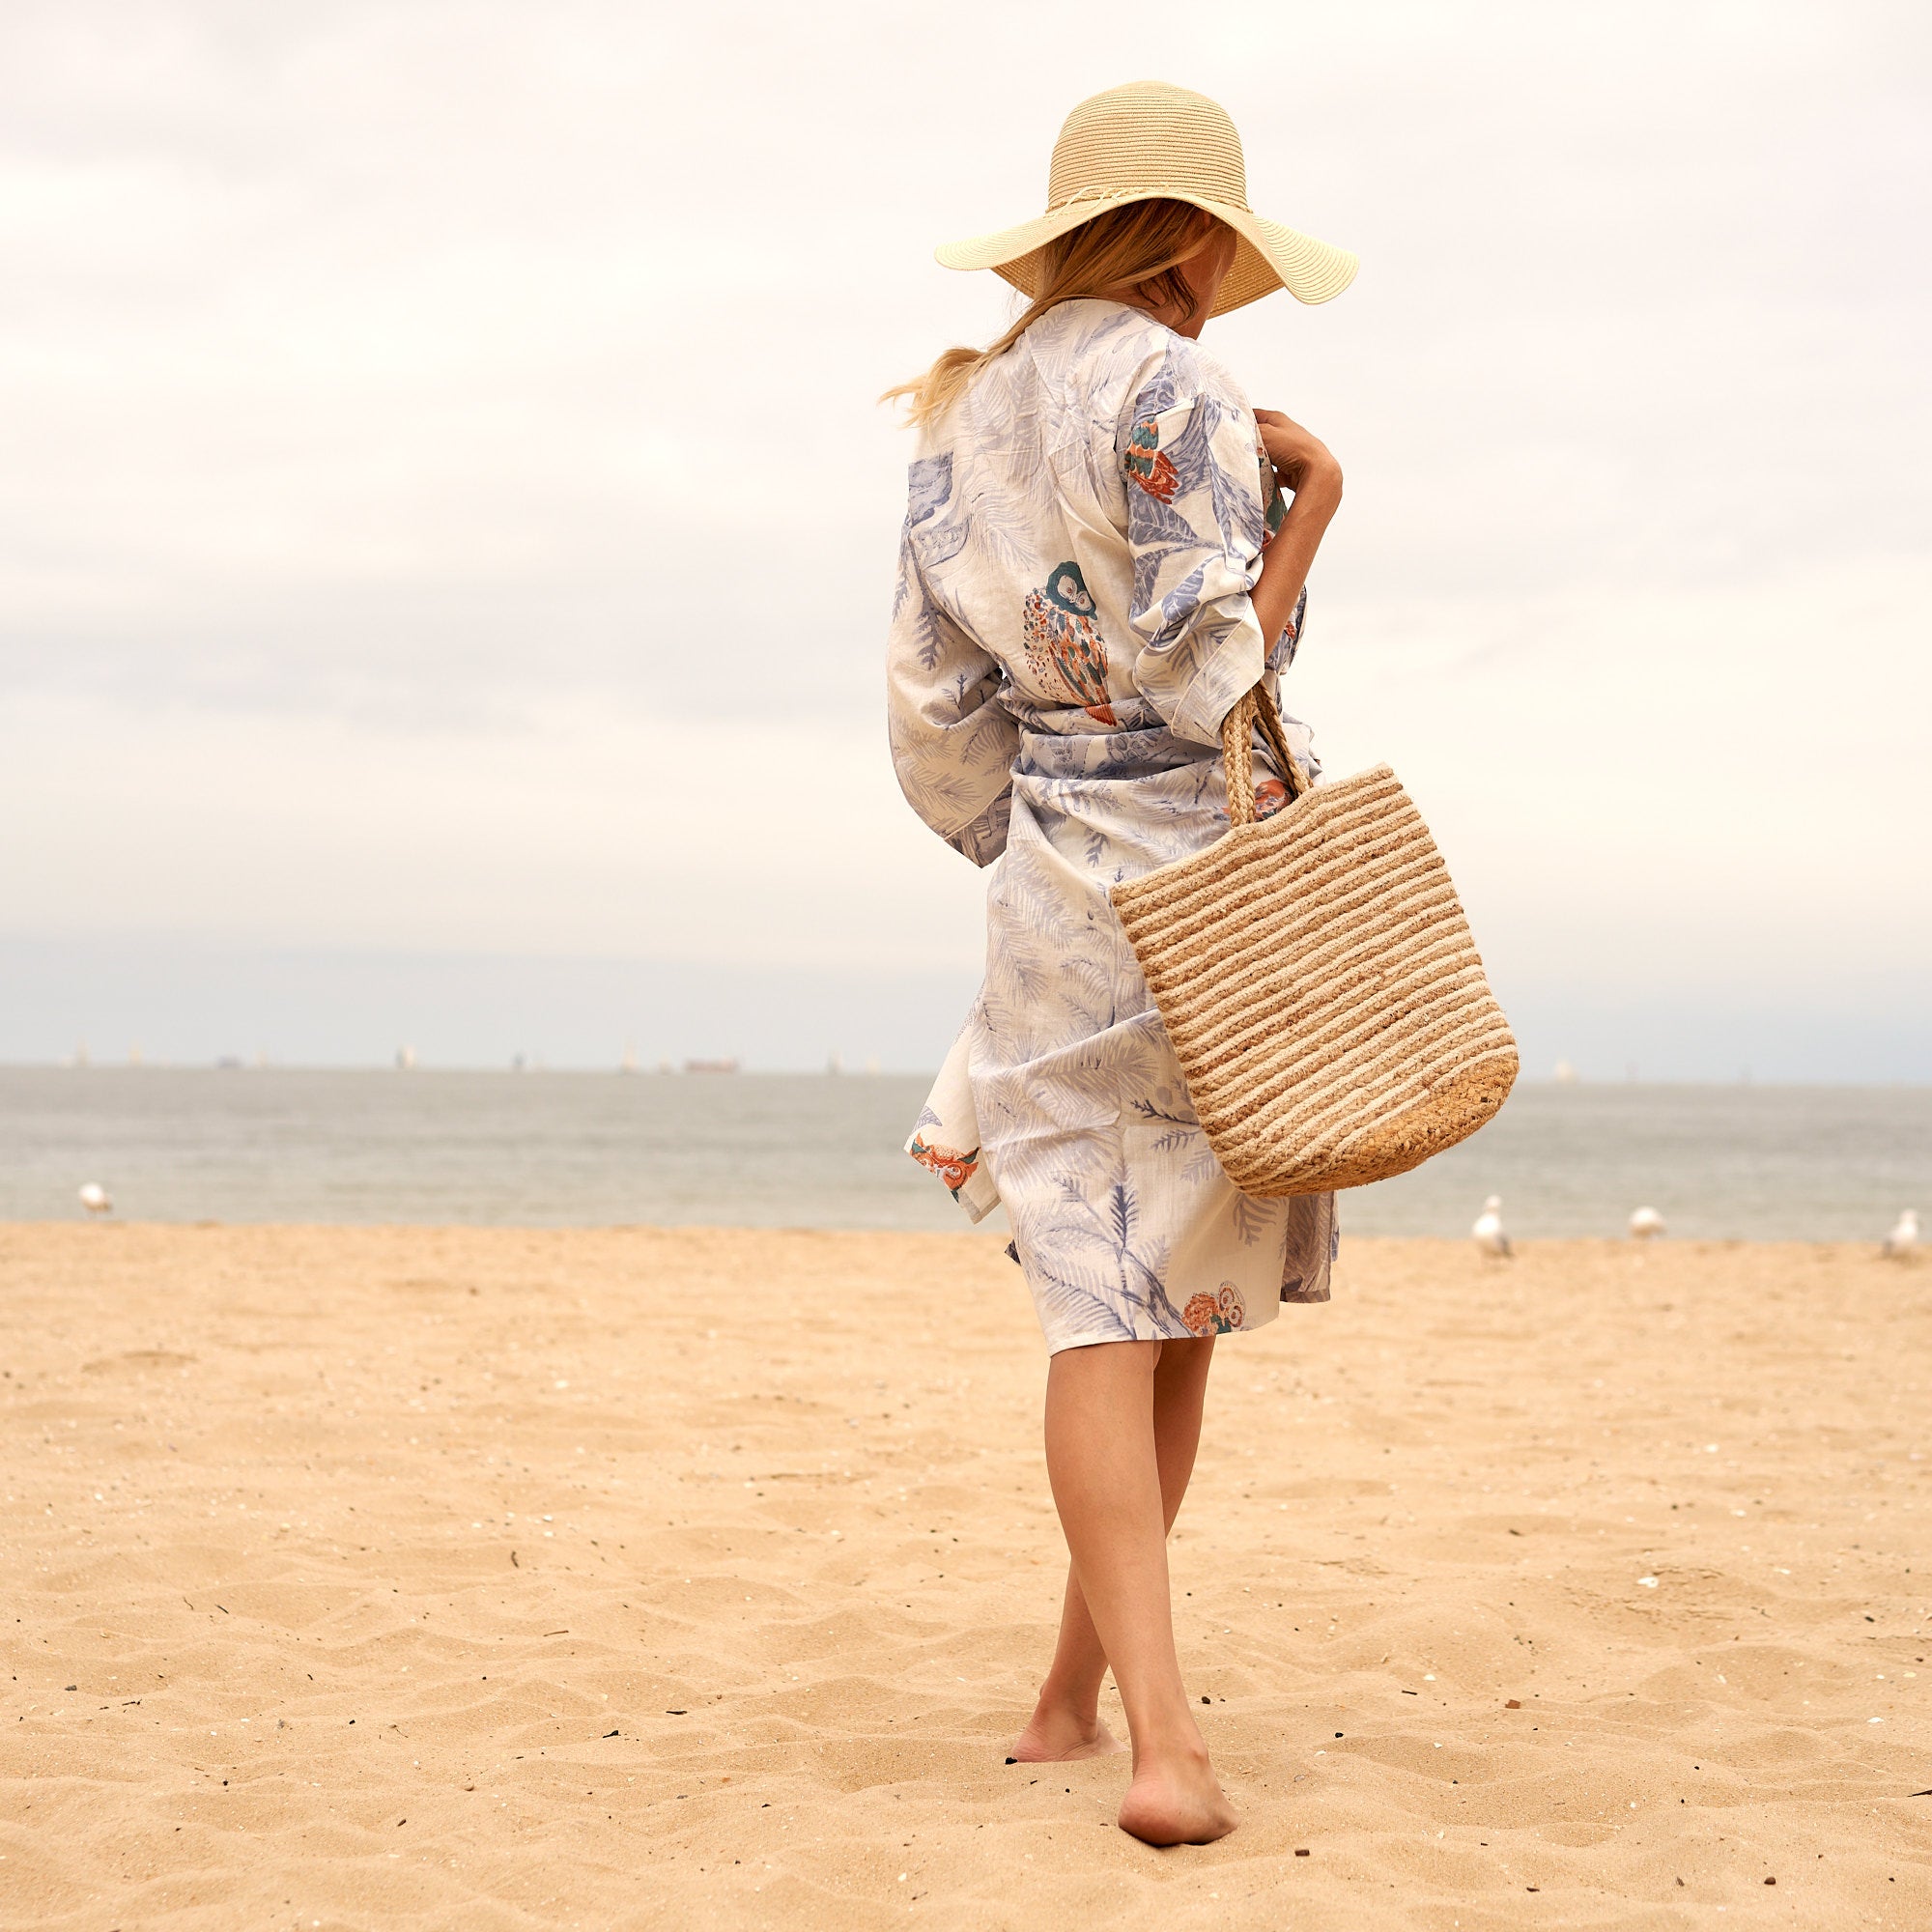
(448,510)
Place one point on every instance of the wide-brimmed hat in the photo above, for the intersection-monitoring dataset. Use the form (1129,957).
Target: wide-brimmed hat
(1148,141)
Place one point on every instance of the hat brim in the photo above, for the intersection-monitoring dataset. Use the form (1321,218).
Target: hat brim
(1268,255)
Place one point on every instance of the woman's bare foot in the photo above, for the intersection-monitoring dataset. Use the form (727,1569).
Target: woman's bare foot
(1057,1736)
(1177,1800)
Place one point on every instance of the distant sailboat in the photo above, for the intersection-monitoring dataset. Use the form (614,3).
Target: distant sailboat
(1646,1224)
(1903,1240)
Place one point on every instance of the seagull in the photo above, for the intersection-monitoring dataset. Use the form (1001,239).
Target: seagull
(94,1198)
(1904,1237)
(1646,1224)
(1489,1229)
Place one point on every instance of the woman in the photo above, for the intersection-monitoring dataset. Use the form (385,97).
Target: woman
(1096,564)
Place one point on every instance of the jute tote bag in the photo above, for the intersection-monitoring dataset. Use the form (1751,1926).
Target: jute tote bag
(1317,977)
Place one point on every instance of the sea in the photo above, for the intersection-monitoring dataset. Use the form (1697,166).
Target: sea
(823,1151)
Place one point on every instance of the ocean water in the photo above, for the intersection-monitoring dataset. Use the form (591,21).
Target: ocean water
(1808,1163)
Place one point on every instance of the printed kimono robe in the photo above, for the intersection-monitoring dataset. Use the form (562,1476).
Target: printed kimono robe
(1071,626)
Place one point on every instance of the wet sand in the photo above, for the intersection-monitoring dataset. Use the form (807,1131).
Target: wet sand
(491,1579)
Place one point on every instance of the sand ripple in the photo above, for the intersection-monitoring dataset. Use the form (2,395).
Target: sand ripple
(491,1579)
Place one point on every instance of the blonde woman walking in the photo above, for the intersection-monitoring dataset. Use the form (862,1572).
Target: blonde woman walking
(1106,548)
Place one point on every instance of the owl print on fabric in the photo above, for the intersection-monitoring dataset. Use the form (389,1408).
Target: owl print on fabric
(1062,645)
(1148,465)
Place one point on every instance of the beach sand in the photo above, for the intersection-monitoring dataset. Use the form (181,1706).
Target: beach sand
(490,1578)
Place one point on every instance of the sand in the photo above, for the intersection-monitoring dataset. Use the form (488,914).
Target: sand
(491,1579)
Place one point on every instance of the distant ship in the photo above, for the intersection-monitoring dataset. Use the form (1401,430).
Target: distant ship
(711,1066)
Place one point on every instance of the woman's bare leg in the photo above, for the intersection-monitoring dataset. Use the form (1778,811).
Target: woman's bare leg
(1117,1484)
(1066,1722)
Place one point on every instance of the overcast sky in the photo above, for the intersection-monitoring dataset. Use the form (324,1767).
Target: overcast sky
(445,516)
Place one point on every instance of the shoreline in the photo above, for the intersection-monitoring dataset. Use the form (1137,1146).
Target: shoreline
(1844,1250)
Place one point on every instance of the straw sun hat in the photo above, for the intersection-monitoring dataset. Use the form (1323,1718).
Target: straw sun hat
(1148,140)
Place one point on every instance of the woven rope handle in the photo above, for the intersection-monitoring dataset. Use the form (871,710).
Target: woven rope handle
(1237,752)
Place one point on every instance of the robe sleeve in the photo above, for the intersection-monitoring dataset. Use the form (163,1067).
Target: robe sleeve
(1196,525)
(952,741)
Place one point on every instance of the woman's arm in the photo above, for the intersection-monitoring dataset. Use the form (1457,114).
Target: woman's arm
(1305,468)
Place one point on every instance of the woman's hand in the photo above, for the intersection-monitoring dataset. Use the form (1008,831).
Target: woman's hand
(1300,460)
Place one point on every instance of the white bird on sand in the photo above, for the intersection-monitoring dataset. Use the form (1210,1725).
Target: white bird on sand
(94,1198)
(1904,1236)
(1489,1229)
(1646,1224)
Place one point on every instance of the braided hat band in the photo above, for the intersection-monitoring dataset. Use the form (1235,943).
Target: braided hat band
(1148,141)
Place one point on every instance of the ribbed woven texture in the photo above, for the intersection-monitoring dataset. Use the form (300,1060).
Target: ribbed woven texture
(1148,138)
(1319,982)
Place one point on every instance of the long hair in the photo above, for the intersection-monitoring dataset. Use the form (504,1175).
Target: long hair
(1139,246)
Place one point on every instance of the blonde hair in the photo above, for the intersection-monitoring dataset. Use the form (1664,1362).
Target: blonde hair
(1139,246)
